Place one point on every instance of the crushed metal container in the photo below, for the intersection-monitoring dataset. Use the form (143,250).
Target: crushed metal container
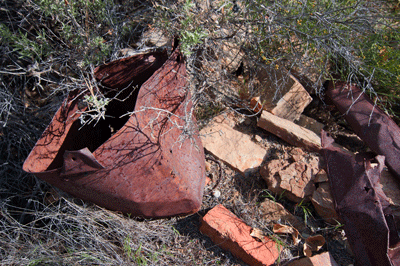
(362,205)
(148,164)
(368,121)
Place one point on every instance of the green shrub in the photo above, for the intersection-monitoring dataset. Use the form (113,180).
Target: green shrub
(36,49)
(350,40)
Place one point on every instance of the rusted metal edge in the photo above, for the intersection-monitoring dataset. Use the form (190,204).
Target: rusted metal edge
(369,122)
(362,205)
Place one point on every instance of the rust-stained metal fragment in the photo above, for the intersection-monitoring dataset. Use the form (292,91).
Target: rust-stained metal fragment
(369,122)
(361,205)
(148,164)
(137,69)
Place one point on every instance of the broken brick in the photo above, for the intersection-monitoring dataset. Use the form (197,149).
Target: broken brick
(231,233)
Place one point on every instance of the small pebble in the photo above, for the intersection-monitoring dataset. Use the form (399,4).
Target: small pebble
(208,166)
(216,194)
(258,138)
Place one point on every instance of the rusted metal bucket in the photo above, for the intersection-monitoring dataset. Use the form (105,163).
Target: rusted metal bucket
(149,166)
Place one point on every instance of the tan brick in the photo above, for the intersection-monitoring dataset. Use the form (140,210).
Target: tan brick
(289,131)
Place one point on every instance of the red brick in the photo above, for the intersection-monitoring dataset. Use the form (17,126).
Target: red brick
(231,233)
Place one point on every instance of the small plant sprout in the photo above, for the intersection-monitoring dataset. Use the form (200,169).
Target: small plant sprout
(191,33)
(190,39)
(96,105)
(305,209)
(275,198)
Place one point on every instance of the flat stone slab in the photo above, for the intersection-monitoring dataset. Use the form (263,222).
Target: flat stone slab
(281,93)
(230,145)
(310,123)
(274,212)
(391,187)
(293,177)
(323,203)
(229,232)
(289,131)
(324,259)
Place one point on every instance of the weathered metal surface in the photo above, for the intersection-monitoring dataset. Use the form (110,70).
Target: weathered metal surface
(369,122)
(362,205)
(149,166)
(138,69)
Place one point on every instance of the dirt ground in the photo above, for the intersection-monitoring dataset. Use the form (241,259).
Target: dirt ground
(243,194)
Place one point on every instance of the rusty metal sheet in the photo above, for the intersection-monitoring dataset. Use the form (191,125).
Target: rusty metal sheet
(137,69)
(152,165)
(369,122)
(362,205)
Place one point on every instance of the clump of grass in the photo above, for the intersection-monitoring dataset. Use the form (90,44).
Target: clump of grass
(304,208)
(65,233)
